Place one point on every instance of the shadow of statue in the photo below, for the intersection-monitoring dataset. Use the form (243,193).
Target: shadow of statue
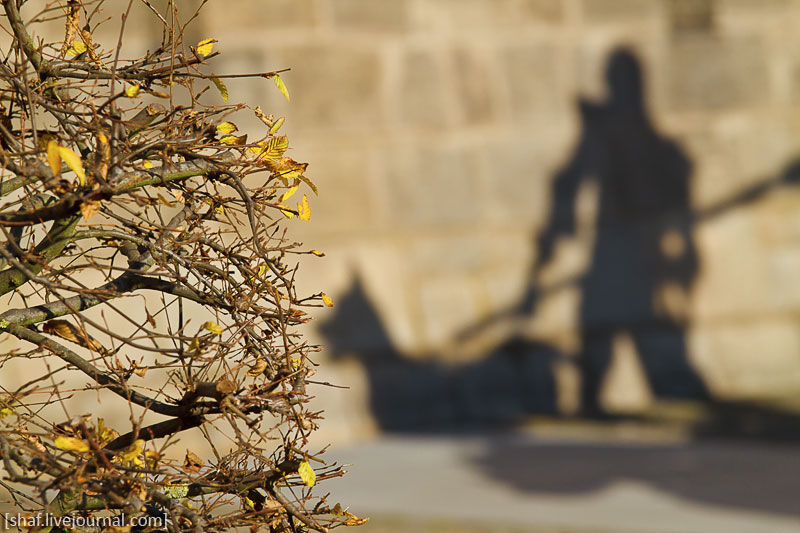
(644,260)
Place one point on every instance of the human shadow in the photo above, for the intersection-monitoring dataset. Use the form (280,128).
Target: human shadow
(643,265)
(644,259)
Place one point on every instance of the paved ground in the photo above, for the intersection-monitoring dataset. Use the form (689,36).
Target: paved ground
(528,482)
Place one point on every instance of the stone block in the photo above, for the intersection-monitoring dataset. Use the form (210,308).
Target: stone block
(490,15)
(476,97)
(536,90)
(439,254)
(602,11)
(422,92)
(372,15)
(732,279)
(246,15)
(746,359)
(708,73)
(519,175)
(426,187)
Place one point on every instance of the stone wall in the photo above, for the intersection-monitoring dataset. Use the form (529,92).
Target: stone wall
(435,129)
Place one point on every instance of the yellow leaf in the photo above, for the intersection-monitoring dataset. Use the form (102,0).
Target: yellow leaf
(327,300)
(274,148)
(318,253)
(288,194)
(204,47)
(71,444)
(77,48)
(307,473)
(132,91)
(223,90)
(353,520)
(5,411)
(303,210)
(310,184)
(275,127)
(281,86)
(226,127)
(133,451)
(74,162)
(213,327)
(54,158)
(147,164)
(229,139)
(105,434)
(287,212)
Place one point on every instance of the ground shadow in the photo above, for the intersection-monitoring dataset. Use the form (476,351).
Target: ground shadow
(740,475)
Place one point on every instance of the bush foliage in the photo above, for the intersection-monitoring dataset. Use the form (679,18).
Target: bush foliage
(146,267)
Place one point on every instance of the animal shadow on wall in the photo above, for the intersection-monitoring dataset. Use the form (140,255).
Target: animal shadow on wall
(643,264)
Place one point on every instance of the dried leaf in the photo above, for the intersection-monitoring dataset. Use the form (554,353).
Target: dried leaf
(327,300)
(71,444)
(267,120)
(213,327)
(307,474)
(89,208)
(192,460)
(285,168)
(70,332)
(303,209)
(223,90)
(204,47)
(259,367)
(72,23)
(281,86)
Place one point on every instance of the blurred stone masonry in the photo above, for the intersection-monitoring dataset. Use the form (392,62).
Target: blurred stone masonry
(434,129)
